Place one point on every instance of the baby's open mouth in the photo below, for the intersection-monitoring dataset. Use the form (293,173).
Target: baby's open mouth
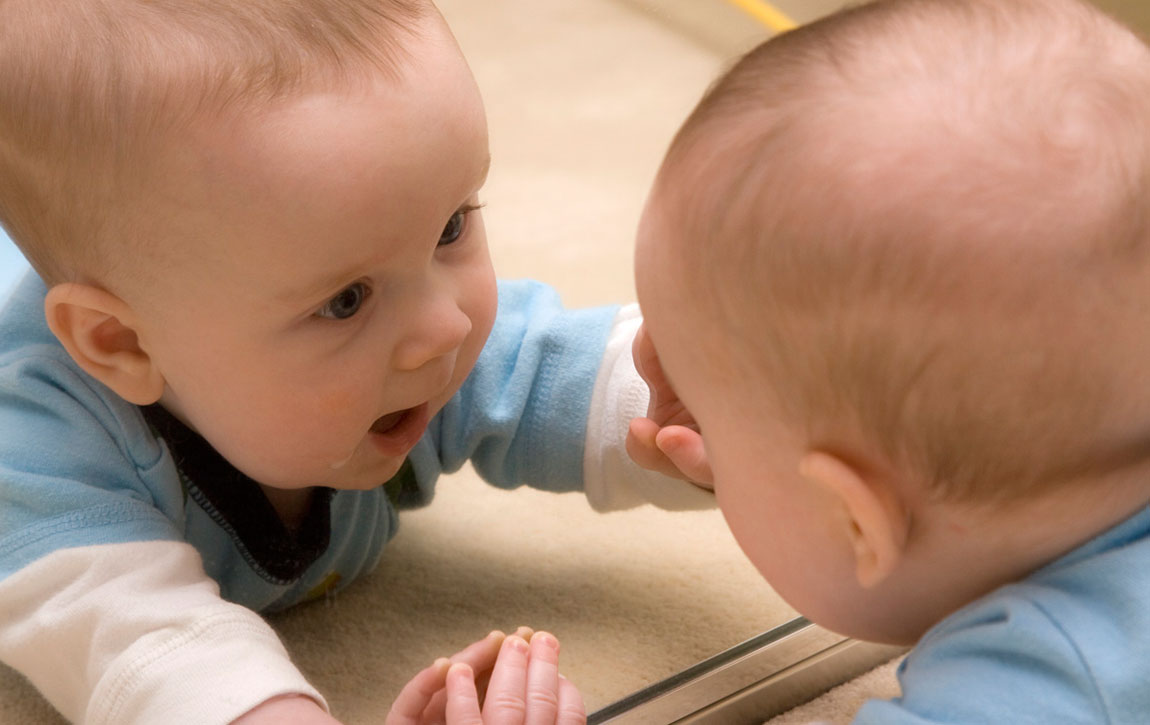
(385,423)
(395,434)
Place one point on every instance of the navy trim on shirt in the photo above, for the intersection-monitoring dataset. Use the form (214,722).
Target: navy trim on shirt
(239,506)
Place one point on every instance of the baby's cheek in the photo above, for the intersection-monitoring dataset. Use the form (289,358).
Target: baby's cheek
(328,404)
(339,403)
(483,305)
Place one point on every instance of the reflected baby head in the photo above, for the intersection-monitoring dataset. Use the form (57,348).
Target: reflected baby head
(909,241)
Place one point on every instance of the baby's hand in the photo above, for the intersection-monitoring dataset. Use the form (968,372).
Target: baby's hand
(667,440)
(524,687)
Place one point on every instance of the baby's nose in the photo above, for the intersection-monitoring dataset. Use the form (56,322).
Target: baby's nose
(438,333)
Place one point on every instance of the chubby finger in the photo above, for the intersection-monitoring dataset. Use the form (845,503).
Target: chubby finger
(462,699)
(483,674)
(646,361)
(543,680)
(642,352)
(571,709)
(417,694)
(506,703)
(684,448)
(640,441)
(642,445)
(480,655)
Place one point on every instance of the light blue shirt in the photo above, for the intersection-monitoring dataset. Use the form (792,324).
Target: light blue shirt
(80,467)
(1068,644)
(13,266)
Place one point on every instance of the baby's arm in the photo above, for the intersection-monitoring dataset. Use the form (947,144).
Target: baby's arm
(137,633)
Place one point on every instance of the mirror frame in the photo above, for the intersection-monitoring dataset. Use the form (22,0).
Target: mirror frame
(752,681)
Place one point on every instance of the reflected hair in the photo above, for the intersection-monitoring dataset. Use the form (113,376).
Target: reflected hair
(897,213)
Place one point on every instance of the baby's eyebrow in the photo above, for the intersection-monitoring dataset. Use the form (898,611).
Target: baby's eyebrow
(484,170)
(329,284)
(320,288)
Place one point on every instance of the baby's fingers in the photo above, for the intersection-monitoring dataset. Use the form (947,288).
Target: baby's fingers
(417,694)
(644,356)
(506,701)
(684,448)
(480,655)
(644,450)
(462,699)
(571,710)
(543,680)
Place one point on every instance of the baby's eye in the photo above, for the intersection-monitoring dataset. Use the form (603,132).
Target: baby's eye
(346,303)
(456,225)
(454,228)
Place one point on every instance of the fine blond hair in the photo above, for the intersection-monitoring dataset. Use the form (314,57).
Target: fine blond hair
(924,222)
(90,88)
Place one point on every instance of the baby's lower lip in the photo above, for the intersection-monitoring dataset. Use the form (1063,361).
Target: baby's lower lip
(397,433)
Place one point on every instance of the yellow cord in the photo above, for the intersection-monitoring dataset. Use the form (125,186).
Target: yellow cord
(766,13)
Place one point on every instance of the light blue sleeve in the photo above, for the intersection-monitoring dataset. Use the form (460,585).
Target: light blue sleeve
(521,417)
(1002,661)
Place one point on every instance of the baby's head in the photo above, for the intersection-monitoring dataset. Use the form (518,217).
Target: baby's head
(897,264)
(261,214)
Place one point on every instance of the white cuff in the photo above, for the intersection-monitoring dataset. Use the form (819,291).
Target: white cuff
(611,479)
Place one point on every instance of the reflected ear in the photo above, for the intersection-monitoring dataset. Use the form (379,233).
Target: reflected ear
(95,327)
(876,522)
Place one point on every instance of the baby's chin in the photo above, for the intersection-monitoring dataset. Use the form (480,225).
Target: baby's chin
(871,622)
(375,476)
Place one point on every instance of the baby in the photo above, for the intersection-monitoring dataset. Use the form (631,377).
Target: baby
(897,266)
(263,317)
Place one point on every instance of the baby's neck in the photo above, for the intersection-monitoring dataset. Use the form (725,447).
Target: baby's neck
(970,550)
(1034,532)
(291,504)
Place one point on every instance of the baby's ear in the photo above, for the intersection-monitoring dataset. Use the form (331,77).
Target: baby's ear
(95,327)
(876,522)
